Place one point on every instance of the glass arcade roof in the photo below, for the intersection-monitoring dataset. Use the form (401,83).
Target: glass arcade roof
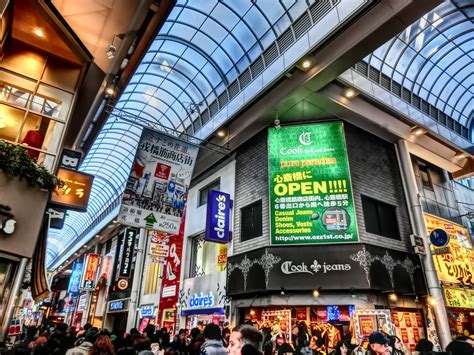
(434,59)
(201,48)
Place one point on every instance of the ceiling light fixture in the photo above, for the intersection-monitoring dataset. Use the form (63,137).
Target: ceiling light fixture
(306,64)
(38,32)
(109,91)
(282,291)
(418,131)
(432,301)
(252,312)
(349,93)
(317,292)
(393,297)
(221,133)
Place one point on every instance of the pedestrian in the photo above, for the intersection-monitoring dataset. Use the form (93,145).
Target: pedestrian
(179,344)
(344,347)
(378,344)
(395,344)
(424,347)
(213,344)
(247,336)
(142,346)
(85,346)
(459,346)
(225,336)
(57,341)
(281,346)
(102,346)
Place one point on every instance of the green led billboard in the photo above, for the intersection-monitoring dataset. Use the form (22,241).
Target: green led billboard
(311,198)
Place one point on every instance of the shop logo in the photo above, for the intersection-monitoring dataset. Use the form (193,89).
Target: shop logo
(201,300)
(288,267)
(305,138)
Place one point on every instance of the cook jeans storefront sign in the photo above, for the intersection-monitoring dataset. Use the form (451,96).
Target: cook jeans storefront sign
(331,267)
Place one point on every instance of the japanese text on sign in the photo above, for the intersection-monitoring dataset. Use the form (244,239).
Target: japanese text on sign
(310,190)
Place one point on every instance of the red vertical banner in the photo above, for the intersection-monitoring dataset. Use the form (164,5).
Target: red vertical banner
(171,277)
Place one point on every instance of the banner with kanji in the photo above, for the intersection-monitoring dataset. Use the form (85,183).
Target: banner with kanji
(157,187)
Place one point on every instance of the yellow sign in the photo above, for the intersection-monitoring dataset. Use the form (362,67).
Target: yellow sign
(459,298)
(456,266)
(221,257)
(76,190)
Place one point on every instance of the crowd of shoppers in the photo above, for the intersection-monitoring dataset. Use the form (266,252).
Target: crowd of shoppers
(208,340)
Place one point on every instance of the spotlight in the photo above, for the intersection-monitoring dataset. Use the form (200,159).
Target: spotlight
(97,236)
(316,293)
(109,91)
(111,52)
(282,291)
(252,312)
(418,131)
(349,93)
(306,64)
(353,294)
(393,297)
(221,133)
(432,301)
(38,32)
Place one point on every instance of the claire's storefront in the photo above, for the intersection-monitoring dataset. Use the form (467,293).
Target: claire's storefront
(336,290)
(203,300)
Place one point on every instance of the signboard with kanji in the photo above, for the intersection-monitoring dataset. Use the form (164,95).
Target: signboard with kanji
(157,188)
(310,185)
(90,270)
(76,190)
(455,263)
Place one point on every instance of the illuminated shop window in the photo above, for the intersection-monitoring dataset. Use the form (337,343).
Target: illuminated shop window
(207,257)
(152,278)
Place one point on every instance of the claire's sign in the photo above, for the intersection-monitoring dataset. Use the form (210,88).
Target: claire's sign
(310,187)
(218,217)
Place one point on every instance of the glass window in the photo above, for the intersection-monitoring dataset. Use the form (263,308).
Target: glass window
(215,185)
(207,257)
(251,221)
(14,95)
(380,218)
(425,176)
(11,120)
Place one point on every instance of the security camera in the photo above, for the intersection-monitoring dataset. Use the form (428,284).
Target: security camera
(111,52)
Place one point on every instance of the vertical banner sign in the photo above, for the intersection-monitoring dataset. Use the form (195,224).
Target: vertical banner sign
(75,280)
(127,252)
(310,187)
(172,273)
(218,217)
(90,270)
(157,188)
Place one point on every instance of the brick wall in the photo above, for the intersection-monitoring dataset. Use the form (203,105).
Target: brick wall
(374,171)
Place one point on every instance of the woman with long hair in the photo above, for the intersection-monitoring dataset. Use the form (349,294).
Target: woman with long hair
(102,346)
(396,345)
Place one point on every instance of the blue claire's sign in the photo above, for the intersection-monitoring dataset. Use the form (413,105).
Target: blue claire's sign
(202,300)
(75,280)
(218,217)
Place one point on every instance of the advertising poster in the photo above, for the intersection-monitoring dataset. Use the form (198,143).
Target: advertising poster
(157,188)
(310,188)
(90,270)
(456,263)
(172,272)
(459,297)
(75,280)
(409,328)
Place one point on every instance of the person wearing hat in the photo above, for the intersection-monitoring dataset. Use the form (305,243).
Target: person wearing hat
(378,344)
